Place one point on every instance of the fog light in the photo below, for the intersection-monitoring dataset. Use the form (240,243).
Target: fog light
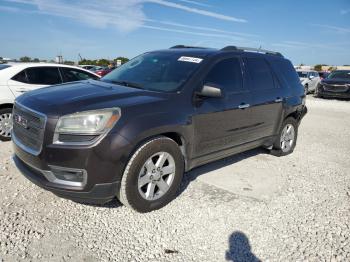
(75,176)
(66,176)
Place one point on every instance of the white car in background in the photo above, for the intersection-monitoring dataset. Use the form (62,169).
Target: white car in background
(17,78)
(309,79)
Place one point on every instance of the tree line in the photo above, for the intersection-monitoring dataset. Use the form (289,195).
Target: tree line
(99,62)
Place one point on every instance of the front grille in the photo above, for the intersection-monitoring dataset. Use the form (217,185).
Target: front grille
(28,129)
(336,88)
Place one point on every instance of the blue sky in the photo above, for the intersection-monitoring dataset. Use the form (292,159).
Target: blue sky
(308,32)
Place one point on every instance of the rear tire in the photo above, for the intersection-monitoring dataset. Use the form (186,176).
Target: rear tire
(152,176)
(287,138)
(5,124)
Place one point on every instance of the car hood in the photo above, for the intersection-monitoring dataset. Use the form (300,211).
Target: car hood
(58,100)
(336,81)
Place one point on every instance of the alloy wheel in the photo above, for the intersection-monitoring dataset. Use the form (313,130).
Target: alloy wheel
(5,125)
(156,176)
(287,138)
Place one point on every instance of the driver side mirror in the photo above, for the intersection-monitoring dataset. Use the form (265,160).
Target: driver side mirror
(311,77)
(210,91)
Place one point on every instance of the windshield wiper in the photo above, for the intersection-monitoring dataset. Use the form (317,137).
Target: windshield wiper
(127,83)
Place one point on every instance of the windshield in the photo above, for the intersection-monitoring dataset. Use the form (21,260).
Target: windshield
(302,74)
(163,72)
(339,75)
(4,66)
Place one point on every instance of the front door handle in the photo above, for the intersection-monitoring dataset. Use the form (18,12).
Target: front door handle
(243,106)
(278,100)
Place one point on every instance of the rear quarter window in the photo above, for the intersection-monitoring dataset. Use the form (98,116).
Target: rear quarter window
(285,72)
(21,77)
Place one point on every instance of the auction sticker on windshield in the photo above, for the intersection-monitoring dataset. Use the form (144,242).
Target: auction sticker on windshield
(190,59)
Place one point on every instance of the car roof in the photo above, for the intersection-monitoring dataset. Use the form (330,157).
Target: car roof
(204,52)
(18,67)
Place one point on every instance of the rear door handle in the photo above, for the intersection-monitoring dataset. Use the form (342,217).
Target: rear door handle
(278,100)
(22,90)
(243,106)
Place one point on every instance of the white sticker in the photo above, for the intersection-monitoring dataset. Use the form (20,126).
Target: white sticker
(190,59)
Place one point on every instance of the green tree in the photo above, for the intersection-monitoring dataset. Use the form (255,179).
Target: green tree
(25,59)
(36,60)
(318,67)
(87,62)
(68,62)
(103,62)
(123,59)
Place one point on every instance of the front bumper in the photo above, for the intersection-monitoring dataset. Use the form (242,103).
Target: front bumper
(333,94)
(99,194)
(103,166)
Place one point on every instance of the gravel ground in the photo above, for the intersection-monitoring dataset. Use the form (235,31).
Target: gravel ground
(307,217)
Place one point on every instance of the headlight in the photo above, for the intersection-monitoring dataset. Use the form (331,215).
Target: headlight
(88,124)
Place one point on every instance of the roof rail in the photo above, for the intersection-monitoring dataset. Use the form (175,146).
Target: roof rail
(250,49)
(185,46)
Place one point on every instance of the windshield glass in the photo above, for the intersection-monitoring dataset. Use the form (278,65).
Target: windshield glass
(339,75)
(302,74)
(4,66)
(163,72)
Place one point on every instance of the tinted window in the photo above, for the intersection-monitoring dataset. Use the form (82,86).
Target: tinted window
(4,66)
(339,75)
(302,74)
(21,77)
(260,73)
(71,74)
(286,73)
(158,71)
(43,75)
(226,74)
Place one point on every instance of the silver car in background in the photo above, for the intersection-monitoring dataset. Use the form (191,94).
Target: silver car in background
(309,79)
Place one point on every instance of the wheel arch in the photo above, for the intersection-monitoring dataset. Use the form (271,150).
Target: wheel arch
(6,105)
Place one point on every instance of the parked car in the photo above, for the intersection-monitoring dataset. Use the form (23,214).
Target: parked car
(337,84)
(323,74)
(309,79)
(104,71)
(133,134)
(97,68)
(15,79)
(87,67)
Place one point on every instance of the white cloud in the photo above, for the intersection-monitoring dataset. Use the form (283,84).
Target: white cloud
(194,3)
(202,28)
(197,11)
(233,38)
(344,11)
(336,29)
(127,16)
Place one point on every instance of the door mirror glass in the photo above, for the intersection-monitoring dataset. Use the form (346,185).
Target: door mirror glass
(210,91)
(311,77)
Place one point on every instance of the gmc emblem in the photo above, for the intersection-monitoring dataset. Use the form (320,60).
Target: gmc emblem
(21,121)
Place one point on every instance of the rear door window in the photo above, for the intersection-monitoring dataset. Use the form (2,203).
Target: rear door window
(260,74)
(71,74)
(43,75)
(226,74)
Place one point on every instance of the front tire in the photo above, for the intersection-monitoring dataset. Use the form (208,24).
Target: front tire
(287,138)
(152,176)
(5,124)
